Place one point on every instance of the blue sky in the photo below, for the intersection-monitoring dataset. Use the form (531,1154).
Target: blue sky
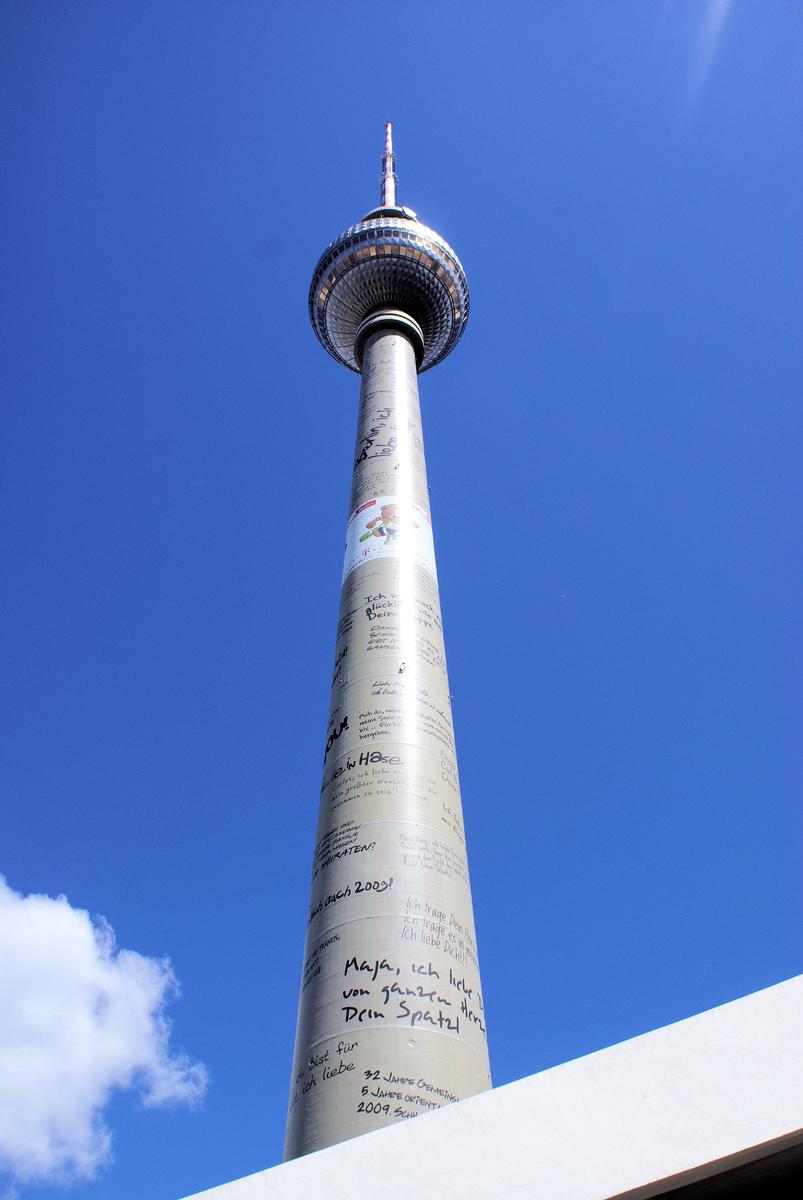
(614,462)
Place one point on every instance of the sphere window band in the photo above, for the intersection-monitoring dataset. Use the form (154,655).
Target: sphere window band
(423,277)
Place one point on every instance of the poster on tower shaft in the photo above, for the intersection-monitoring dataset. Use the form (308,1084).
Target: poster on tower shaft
(387,527)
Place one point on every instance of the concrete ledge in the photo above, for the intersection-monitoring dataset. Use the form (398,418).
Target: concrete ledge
(658,1112)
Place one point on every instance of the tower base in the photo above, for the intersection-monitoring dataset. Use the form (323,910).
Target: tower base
(708,1107)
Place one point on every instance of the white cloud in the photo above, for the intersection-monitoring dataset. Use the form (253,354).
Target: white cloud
(79,1018)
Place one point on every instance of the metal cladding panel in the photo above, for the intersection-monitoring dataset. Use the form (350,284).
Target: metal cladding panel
(391,1017)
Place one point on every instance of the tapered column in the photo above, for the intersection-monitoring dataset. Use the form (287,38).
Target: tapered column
(391,1017)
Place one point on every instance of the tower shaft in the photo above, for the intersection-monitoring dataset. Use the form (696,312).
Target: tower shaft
(391,1020)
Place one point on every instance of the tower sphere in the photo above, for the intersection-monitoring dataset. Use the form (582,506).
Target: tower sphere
(389,264)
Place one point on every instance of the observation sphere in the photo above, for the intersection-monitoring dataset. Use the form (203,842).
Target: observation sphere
(389,261)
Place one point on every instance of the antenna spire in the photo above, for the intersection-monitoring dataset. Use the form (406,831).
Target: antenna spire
(389,178)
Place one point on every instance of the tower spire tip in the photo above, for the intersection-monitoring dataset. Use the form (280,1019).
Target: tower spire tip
(387,194)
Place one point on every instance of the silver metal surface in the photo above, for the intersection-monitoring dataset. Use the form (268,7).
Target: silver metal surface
(389,318)
(389,260)
(391,1018)
(389,180)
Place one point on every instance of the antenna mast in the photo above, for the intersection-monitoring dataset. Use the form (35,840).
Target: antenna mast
(387,194)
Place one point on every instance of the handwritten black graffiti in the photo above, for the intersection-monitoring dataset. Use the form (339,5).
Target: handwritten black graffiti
(371,449)
(441,1021)
(339,662)
(373,885)
(365,759)
(334,735)
(378,964)
(419,992)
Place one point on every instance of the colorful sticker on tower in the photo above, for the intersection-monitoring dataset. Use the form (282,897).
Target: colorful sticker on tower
(387,528)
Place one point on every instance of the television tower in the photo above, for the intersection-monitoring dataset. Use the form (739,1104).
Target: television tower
(391,1020)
